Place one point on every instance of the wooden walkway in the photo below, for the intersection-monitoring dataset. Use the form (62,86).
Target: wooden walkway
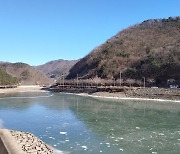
(86,88)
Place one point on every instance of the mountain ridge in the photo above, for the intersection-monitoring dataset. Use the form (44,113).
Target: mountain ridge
(56,68)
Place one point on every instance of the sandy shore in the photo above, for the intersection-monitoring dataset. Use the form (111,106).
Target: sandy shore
(29,88)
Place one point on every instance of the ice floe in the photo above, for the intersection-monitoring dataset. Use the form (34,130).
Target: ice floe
(63,133)
(84,147)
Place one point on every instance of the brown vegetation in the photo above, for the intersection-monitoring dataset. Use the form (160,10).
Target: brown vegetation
(150,49)
(25,74)
(6,79)
(57,67)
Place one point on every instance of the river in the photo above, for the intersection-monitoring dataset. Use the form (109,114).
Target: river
(78,124)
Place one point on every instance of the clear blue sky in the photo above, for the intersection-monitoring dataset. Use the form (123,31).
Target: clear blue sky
(37,31)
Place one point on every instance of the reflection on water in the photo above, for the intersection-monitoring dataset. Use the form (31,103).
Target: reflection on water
(87,125)
(1,123)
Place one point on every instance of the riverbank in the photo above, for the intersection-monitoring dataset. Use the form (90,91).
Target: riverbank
(121,96)
(169,94)
(28,88)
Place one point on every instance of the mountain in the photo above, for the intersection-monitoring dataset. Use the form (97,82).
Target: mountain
(26,74)
(150,49)
(57,67)
(6,79)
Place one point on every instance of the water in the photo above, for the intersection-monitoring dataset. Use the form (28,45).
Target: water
(77,124)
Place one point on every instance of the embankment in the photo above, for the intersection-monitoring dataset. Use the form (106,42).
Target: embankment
(17,142)
(129,92)
(154,93)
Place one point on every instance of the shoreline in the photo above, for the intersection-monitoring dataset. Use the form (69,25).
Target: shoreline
(121,98)
(133,93)
(102,95)
(24,88)
(168,94)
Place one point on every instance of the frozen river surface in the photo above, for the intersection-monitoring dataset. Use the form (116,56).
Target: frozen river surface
(78,124)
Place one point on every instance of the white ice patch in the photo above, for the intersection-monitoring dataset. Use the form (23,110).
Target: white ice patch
(84,147)
(52,138)
(63,133)
(58,151)
(62,142)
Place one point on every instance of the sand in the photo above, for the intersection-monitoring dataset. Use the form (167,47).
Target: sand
(29,88)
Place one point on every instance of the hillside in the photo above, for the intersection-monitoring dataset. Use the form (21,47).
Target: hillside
(26,74)
(57,67)
(150,49)
(6,79)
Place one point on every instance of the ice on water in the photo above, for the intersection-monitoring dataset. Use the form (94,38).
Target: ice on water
(63,133)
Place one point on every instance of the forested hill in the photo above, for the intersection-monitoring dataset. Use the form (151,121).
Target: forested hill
(6,79)
(57,67)
(150,49)
(26,74)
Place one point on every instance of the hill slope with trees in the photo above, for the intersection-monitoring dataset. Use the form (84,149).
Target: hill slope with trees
(6,79)
(57,67)
(26,74)
(150,49)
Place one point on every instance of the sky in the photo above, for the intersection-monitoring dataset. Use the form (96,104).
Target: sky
(38,31)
